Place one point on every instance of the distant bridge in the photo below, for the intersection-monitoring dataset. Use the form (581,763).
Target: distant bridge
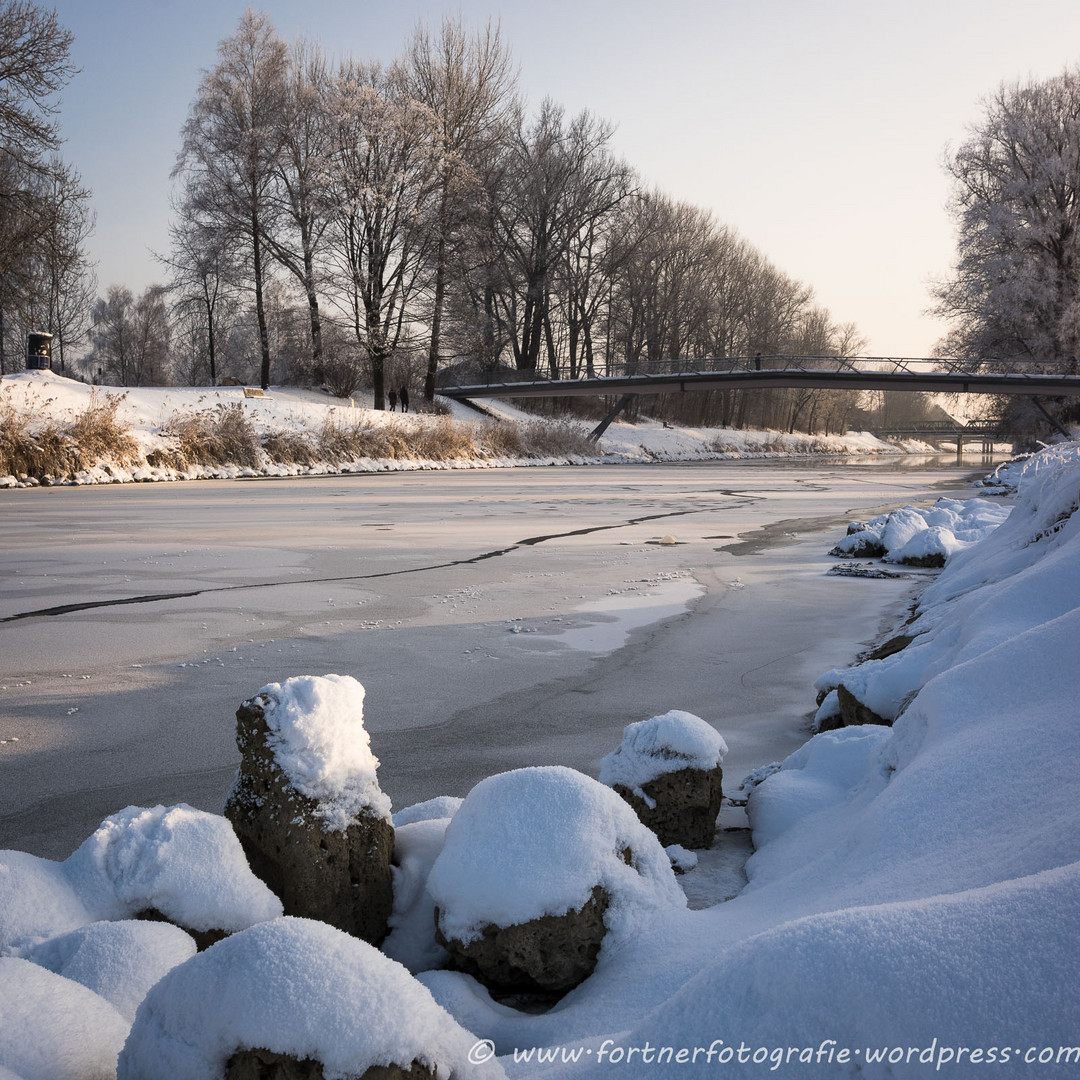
(986,431)
(921,374)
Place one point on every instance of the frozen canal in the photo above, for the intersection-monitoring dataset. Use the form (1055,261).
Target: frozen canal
(496,618)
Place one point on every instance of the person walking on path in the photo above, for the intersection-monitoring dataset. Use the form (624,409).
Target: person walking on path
(392,395)
(403,394)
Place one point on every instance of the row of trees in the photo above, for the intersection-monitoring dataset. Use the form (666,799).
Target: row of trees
(420,216)
(350,221)
(45,219)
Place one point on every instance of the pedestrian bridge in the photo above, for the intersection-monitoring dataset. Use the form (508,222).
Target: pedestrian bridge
(926,375)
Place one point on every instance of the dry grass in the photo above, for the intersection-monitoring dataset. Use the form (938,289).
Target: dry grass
(98,434)
(223,435)
(500,440)
(556,439)
(290,448)
(444,441)
(47,450)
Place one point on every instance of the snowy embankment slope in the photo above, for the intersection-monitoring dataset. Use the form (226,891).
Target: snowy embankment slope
(148,414)
(915,886)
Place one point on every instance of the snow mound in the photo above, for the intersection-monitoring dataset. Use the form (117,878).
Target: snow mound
(298,987)
(442,806)
(665,744)
(535,842)
(918,534)
(411,940)
(118,960)
(53,1028)
(1022,575)
(186,863)
(821,773)
(319,741)
(884,980)
(37,902)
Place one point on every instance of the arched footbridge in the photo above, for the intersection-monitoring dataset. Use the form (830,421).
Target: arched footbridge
(1034,378)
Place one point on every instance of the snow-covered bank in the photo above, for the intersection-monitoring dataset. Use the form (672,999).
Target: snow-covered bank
(288,426)
(916,889)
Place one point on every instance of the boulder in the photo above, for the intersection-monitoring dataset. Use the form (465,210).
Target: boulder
(680,807)
(294,999)
(336,870)
(542,870)
(853,712)
(548,955)
(258,1064)
(669,770)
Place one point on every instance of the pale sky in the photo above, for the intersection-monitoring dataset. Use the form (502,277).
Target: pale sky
(816,128)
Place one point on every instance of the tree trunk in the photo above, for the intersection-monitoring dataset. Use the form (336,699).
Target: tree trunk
(436,317)
(264,337)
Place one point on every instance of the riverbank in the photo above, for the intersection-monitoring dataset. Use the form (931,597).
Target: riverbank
(883,853)
(57,431)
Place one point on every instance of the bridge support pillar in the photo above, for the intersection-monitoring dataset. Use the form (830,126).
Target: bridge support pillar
(594,435)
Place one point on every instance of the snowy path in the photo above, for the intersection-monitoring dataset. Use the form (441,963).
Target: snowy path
(496,619)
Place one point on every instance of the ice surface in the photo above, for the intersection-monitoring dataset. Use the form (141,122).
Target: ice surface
(298,987)
(318,738)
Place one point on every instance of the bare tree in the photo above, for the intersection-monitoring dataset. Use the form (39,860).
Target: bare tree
(383,183)
(202,274)
(232,145)
(300,197)
(131,337)
(468,84)
(35,65)
(44,216)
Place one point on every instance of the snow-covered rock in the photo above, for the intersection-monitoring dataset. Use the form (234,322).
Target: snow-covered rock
(37,902)
(118,960)
(668,768)
(922,536)
(300,988)
(307,806)
(185,864)
(540,844)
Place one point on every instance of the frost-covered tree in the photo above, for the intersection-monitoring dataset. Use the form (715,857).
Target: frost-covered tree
(232,146)
(382,193)
(1015,288)
(468,84)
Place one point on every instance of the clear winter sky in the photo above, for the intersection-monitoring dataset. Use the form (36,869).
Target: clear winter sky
(817,128)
